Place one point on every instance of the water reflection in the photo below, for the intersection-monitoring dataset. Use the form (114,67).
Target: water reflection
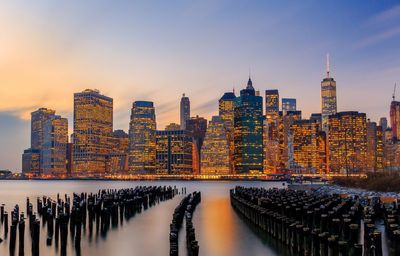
(219,230)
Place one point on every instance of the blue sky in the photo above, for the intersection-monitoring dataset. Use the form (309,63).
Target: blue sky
(157,50)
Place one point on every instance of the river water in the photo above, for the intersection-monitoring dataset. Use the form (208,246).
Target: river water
(219,229)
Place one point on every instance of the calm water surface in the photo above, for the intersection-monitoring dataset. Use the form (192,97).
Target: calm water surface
(219,230)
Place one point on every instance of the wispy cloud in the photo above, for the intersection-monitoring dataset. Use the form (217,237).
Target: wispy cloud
(385,16)
(379,37)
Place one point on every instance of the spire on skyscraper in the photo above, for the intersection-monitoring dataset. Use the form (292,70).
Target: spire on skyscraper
(250,84)
(328,66)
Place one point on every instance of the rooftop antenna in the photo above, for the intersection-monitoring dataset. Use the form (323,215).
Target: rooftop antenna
(328,66)
(394,92)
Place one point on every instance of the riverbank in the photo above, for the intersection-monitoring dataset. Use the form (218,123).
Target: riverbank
(379,182)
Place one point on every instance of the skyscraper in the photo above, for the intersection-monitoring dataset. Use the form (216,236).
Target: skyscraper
(54,151)
(227,114)
(215,150)
(371,145)
(288,104)
(383,123)
(347,142)
(142,138)
(248,131)
(271,105)
(38,118)
(93,126)
(395,118)
(328,97)
(31,161)
(185,111)
(198,127)
(174,152)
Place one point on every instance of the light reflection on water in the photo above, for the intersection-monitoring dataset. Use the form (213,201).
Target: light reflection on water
(219,230)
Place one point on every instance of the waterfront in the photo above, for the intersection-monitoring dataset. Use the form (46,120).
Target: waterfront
(219,230)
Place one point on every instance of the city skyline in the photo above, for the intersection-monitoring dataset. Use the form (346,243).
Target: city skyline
(52,83)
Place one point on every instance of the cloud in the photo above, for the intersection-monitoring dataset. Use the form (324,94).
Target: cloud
(379,37)
(386,15)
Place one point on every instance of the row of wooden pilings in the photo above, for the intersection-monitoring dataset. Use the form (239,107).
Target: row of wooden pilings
(185,209)
(99,211)
(314,224)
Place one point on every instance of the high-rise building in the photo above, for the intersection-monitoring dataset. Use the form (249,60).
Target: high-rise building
(383,123)
(285,142)
(328,97)
(117,159)
(288,104)
(305,146)
(93,126)
(379,148)
(185,111)
(174,152)
(271,105)
(226,112)
(215,150)
(347,142)
(119,142)
(198,127)
(248,131)
(372,143)
(38,117)
(53,160)
(395,118)
(31,162)
(142,138)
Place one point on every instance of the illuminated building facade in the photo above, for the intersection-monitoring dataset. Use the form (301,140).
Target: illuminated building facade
(271,104)
(53,158)
(93,126)
(383,122)
(288,104)
(371,145)
(309,147)
(142,138)
(38,118)
(248,132)
(215,150)
(379,148)
(119,142)
(198,127)
(117,159)
(185,111)
(227,114)
(347,142)
(328,97)
(395,118)
(285,144)
(174,152)
(31,161)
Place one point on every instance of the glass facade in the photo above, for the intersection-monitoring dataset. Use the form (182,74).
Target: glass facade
(227,113)
(215,150)
(31,161)
(198,127)
(271,105)
(185,111)
(248,131)
(347,142)
(328,100)
(288,104)
(174,152)
(54,151)
(142,138)
(93,126)
(38,117)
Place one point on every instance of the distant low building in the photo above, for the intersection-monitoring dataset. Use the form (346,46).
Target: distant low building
(31,161)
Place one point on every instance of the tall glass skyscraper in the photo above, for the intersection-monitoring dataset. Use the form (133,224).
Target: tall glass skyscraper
(227,114)
(54,151)
(38,118)
(271,105)
(142,138)
(248,131)
(328,97)
(185,111)
(215,150)
(93,126)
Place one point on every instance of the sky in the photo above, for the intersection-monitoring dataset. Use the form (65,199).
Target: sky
(157,50)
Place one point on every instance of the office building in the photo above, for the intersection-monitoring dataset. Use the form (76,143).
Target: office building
(185,111)
(93,126)
(288,104)
(215,151)
(328,97)
(142,138)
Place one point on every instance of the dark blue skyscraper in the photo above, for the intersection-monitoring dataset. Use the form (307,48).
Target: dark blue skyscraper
(248,131)
(288,104)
